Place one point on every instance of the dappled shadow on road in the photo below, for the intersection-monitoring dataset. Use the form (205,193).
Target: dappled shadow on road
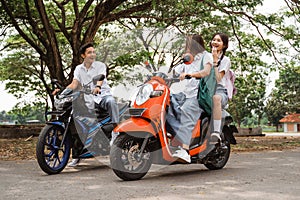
(188,171)
(84,167)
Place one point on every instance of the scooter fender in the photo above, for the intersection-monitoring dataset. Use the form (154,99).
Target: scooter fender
(136,125)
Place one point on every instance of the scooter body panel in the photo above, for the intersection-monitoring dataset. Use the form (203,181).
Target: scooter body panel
(136,124)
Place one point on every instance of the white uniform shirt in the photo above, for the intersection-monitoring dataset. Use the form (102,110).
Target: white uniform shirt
(85,77)
(191,88)
(224,66)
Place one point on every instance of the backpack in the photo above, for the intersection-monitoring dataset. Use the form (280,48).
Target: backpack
(206,90)
(231,89)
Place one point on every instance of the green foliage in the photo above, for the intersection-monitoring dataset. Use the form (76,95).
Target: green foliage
(18,68)
(23,113)
(5,117)
(275,109)
(288,89)
(284,98)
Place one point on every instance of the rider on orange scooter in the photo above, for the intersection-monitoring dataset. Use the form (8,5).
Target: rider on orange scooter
(190,110)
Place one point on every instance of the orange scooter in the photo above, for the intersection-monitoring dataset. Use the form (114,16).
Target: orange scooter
(144,138)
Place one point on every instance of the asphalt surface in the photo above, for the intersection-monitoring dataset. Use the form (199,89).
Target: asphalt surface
(273,175)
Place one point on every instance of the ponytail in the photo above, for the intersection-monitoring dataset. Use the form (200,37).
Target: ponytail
(222,56)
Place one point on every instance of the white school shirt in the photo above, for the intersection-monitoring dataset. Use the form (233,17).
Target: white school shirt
(191,88)
(85,76)
(224,66)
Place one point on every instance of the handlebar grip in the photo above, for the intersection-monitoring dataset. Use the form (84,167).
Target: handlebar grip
(188,77)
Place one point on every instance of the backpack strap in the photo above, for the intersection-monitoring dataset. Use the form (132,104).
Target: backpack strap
(202,58)
(207,88)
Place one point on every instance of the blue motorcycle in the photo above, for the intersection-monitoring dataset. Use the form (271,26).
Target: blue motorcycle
(73,125)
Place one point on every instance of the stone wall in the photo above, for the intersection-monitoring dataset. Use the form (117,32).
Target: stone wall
(257,131)
(20,131)
(24,131)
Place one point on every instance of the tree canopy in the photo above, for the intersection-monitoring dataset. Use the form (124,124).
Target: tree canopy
(40,39)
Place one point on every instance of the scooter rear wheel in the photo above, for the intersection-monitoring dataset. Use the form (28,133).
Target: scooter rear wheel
(220,158)
(126,160)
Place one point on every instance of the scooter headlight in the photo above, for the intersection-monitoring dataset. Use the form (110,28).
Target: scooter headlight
(144,94)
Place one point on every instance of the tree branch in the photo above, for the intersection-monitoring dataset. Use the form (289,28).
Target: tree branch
(18,28)
(52,45)
(252,22)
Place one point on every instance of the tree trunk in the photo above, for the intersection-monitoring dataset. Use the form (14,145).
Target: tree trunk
(258,120)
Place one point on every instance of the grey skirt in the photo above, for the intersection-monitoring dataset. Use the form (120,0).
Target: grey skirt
(222,91)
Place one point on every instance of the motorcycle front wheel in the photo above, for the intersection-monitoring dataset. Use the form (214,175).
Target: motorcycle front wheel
(52,155)
(127,160)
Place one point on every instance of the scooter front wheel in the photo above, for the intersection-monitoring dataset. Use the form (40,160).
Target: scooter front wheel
(52,153)
(127,160)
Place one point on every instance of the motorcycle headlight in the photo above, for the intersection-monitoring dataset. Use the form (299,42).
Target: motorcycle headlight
(63,103)
(144,94)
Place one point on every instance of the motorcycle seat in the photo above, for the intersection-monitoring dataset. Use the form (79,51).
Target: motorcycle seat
(103,113)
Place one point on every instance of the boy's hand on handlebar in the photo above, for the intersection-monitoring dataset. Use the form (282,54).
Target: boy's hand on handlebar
(96,90)
(55,91)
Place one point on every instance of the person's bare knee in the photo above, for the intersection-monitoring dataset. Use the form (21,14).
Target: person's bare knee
(217,99)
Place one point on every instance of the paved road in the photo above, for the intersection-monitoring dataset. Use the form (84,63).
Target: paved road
(256,175)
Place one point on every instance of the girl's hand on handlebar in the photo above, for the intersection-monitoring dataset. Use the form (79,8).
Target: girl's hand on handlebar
(188,76)
(185,76)
(182,76)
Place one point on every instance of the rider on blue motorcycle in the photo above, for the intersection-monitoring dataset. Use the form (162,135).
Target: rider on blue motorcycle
(100,99)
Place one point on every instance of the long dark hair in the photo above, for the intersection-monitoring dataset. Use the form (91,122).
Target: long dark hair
(194,44)
(225,40)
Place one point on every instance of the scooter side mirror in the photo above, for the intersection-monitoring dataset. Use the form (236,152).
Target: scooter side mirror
(99,77)
(187,58)
(228,119)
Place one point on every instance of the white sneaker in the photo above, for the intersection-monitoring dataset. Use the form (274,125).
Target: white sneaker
(74,162)
(114,135)
(182,154)
(215,138)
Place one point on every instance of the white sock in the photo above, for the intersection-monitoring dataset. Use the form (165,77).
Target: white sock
(217,126)
(115,133)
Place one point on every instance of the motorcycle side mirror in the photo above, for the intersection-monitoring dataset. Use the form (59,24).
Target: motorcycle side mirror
(56,82)
(53,81)
(99,77)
